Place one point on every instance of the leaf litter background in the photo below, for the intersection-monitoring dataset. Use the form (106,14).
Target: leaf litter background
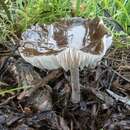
(33,99)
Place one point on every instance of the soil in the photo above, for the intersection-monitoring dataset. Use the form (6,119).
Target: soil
(34,99)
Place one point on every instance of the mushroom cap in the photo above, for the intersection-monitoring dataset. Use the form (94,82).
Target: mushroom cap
(66,43)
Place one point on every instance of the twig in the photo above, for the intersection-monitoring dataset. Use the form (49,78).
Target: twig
(7,100)
(111,80)
(125,100)
(117,73)
(3,84)
(121,76)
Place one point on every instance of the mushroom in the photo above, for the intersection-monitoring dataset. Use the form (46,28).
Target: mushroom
(70,43)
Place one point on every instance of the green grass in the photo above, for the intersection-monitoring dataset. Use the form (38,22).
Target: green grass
(17,15)
(9,91)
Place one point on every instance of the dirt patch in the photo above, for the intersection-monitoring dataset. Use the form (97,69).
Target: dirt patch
(43,98)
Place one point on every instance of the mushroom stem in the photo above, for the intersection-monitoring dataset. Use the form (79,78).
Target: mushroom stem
(75,96)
